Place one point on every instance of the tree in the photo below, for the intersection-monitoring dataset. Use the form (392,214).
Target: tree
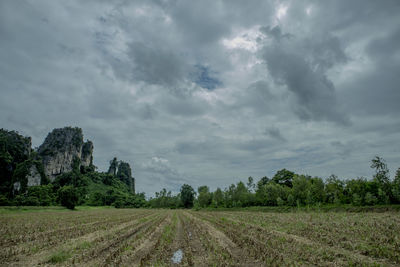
(382,175)
(334,189)
(187,195)
(241,196)
(204,197)
(68,197)
(250,184)
(272,193)
(283,177)
(317,192)
(263,181)
(396,187)
(301,187)
(218,198)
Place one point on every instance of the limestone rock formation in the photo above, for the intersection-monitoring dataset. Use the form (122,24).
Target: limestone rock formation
(122,170)
(34,177)
(62,148)
(87,154)
(124,173)
(28,173)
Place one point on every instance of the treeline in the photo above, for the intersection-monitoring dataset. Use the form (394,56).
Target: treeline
(287,188)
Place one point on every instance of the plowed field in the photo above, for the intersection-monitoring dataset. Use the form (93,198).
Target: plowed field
(131,237)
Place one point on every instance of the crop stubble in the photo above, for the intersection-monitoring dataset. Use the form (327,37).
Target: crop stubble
(139,237)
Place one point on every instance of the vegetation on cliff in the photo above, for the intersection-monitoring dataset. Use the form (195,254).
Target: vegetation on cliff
(61,172)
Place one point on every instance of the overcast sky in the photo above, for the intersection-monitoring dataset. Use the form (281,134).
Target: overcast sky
(208,92)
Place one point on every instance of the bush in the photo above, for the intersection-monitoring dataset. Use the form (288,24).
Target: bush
(97,199)
(119,203)
(280,201)
(357,200)
(44,194)
(4,201)
(68,197)
(370,199)
(31,201)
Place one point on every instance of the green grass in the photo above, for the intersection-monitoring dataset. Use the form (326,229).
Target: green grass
(84,245)
(169,231)
(59,257)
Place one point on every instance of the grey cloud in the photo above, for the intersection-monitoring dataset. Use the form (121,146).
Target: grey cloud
(123,71)
(344,150)
(160,172)
(377,90)
(147,112)
(257,97)
(314,92)
(255,145)
(385,48)
(200,21)
(275,133)
(186,106)
(156,65)
(275,32)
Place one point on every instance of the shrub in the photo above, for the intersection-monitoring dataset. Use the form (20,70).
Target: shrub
(370,199)
(4,201)
(357,200)
(31,201)
(59,257)
(68,197)
(280,201)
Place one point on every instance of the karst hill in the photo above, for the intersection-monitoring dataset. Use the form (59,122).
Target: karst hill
(64,159)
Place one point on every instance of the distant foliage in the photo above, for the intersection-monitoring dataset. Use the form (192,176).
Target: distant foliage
(68,196)
(187,196)
(204,196)
(14,149)
(287,188)
(164,199)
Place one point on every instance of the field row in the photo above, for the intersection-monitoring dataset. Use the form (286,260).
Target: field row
(128,237)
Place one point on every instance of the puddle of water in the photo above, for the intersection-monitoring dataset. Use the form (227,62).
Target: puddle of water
(177,257)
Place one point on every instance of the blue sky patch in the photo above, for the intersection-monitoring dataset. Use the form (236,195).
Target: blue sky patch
(205,78)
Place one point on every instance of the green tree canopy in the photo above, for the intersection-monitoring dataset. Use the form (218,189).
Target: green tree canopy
(68,197)
(187,195)
(283,177)
(204,196)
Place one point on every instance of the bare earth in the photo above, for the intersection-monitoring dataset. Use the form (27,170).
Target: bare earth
(140,237)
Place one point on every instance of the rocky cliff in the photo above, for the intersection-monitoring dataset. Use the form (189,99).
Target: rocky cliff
(61,148)
(122,170)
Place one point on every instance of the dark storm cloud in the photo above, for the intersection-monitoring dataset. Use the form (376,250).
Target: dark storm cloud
(377,89)
(207,92)
(156,65)
(305,77)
